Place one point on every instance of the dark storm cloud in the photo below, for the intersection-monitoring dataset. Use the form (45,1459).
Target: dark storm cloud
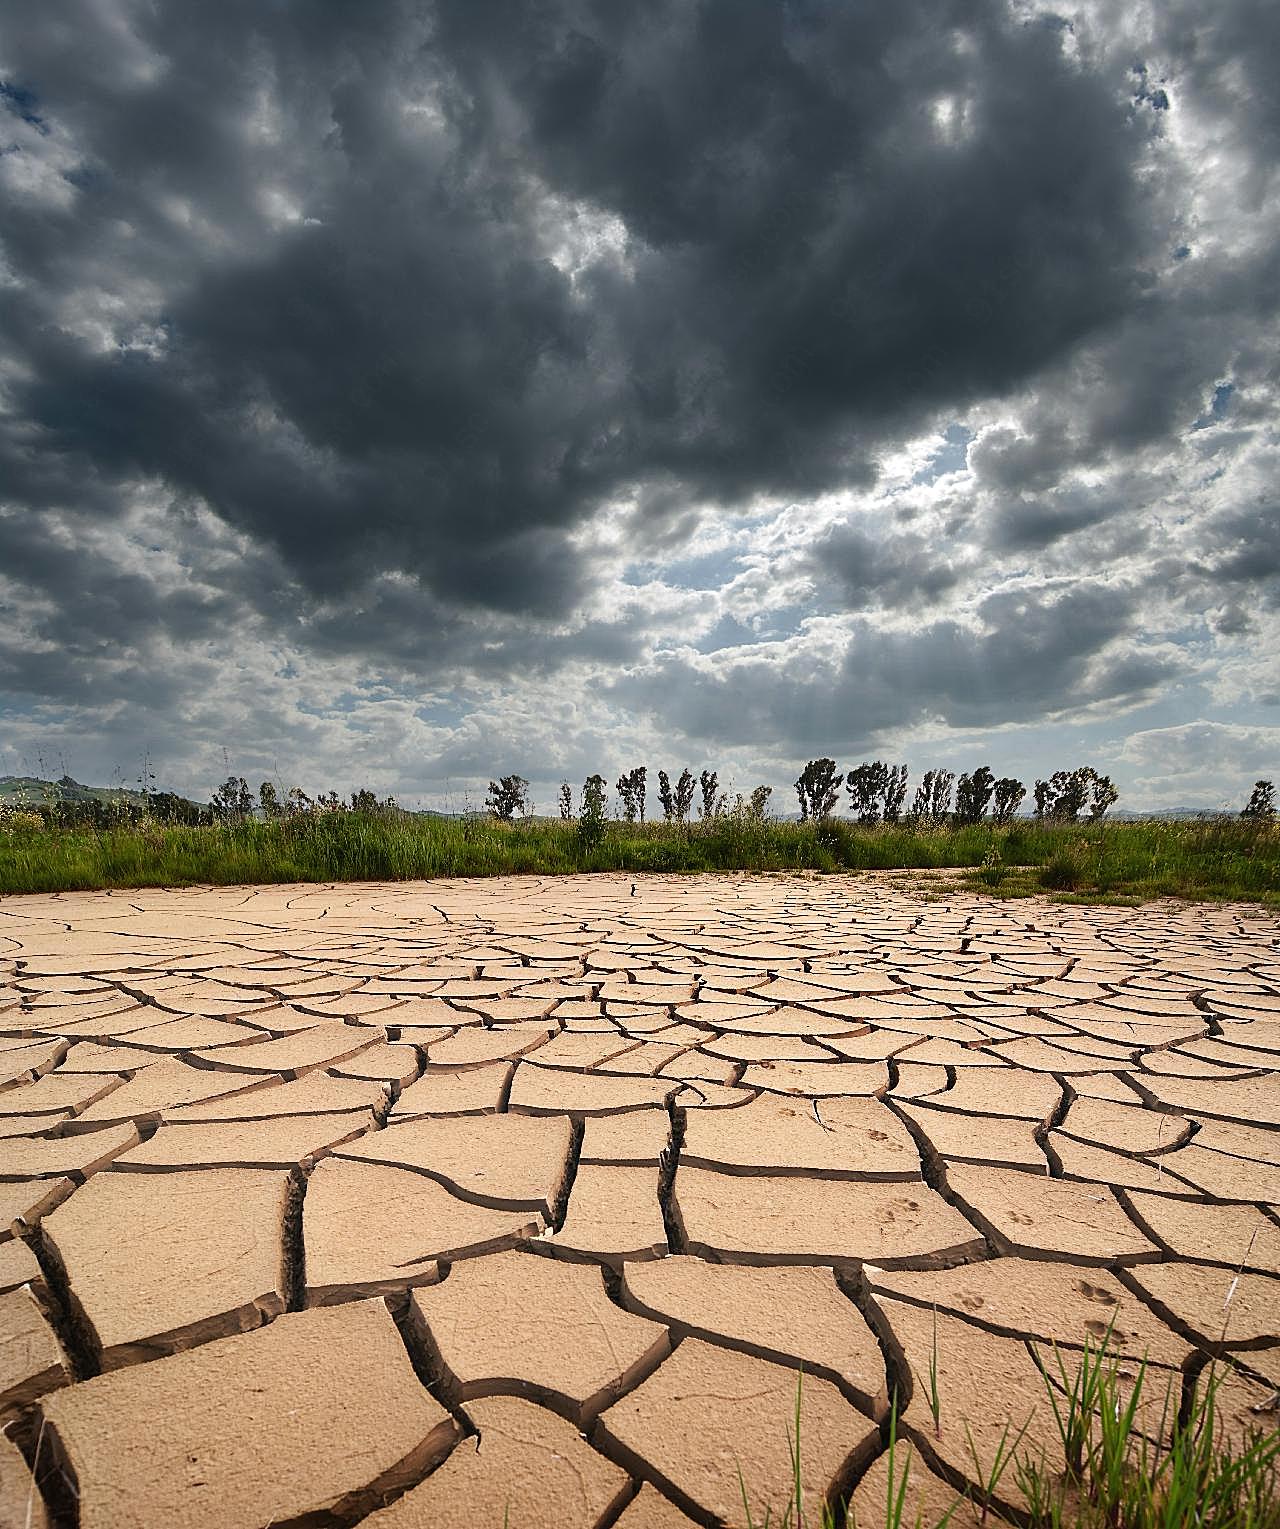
(388,335)
(1246,549)
(1032,525)
(408,382)
(866,570)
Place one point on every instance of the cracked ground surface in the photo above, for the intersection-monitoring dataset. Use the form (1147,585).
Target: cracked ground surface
(554,1202)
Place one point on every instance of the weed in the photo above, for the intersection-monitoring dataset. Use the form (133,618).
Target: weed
(992,872)
(1175,1475)
(988,1480)
(1064,872)
(935,1400)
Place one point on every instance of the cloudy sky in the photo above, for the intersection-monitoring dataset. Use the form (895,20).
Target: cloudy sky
(405,392)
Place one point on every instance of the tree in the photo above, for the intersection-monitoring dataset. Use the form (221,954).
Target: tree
(1261,806)
(1104,795)
(973,795)
(866,787)
(933,796)
(818,789)
(364,801)
(566,801)
(269,800)
(1066,794)
(665,795)
(232,802)
(758,806)
(684,796)
(1008,798)
(297,801)
(631,789)
(168,808)
(507,797)
(709,780)
(895,793)
(591,819)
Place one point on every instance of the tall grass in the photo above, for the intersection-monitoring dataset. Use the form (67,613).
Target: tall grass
(1225,858)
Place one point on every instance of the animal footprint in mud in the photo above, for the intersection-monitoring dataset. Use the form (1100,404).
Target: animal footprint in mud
(972,1302)
(1020,1218)
(1095,1293)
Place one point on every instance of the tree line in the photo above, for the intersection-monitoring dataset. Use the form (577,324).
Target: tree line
(877,793)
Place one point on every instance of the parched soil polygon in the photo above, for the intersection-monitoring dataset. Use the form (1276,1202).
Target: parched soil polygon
(552,1200)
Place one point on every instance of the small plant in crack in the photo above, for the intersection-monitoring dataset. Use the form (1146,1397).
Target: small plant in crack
(896,1485)
(935,1396)
(989,1479)
(792,1516)
(1116,1469)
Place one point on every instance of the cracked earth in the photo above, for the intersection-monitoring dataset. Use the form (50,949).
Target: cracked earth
(531,1201)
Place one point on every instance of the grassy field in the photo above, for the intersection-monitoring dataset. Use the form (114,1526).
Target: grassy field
(1219,858)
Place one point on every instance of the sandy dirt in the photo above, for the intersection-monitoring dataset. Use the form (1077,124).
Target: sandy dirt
(560,1201)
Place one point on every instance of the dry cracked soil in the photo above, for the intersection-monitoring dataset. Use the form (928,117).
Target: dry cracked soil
(559,1202)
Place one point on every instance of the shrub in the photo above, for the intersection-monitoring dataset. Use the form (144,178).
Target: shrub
(19,820)
(1063,871)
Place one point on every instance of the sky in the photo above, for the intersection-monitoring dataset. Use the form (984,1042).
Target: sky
(407,393)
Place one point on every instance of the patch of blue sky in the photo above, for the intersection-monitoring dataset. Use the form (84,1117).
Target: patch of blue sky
(710,570)
(343,704)
(439,713)
(1218,406)
(950,457)
(732,632)
(21,101)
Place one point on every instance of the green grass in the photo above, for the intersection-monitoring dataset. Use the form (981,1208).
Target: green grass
(1223,858)
(1108,1474)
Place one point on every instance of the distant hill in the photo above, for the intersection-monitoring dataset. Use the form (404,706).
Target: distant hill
(15,789)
